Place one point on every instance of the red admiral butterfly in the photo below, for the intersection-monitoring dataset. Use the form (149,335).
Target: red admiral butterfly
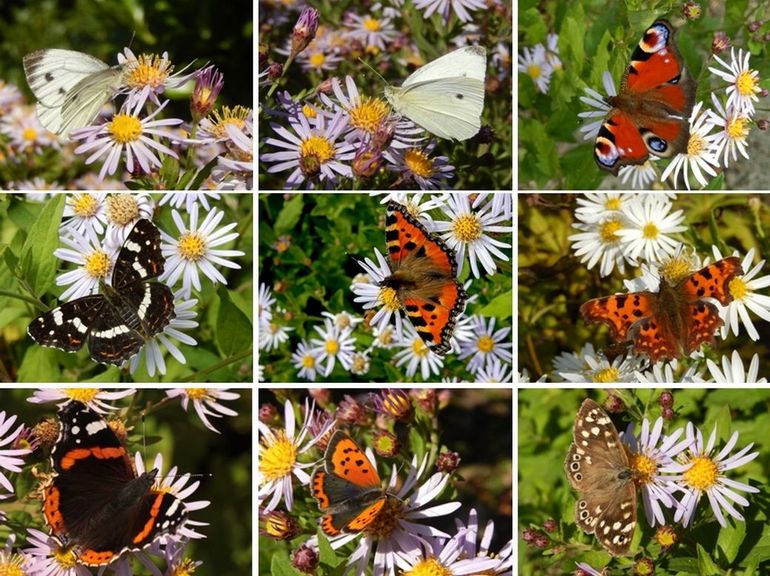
(118,321)
(96,501)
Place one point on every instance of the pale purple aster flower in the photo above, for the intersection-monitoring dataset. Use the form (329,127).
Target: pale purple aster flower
(306,360)
(419,165)
(208,84)
(265,302)
(704,474)
(343,319)
(415,354)
(370,31)
(127,131)
(25,132)
(468,230)
(10,97)
(656,466)
(85,212)
(271,334)
(495,372)
(489,343)
(314,153)
(46,555)
(151,352)
(176,560)
(12,562)
(10,459)
(278,452)
(334,344)
(360,363)
(187,199)
(93,398)
(460,7)
(94,260)
(195,250)
(206,402)
(447,556)
(473,548)
(149,75)
(502,203)
(587,570)
(235,171)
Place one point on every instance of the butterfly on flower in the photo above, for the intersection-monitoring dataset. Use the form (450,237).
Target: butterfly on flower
(348,488)
(675,320)
(650,114)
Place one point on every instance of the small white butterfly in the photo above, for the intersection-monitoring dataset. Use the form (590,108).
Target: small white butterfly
(71,87)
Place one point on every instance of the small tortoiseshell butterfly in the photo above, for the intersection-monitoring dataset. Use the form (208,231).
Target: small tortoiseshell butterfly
(424,277)
(348,489)
(650,114)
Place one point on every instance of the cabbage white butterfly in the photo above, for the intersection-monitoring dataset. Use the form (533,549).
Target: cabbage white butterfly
(70,87)
(446,96)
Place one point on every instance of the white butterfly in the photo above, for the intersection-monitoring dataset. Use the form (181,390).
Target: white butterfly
(70,87)
(446,96)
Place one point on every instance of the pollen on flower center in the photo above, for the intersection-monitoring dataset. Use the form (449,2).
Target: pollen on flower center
(610,374)
(486,344)
(467,228)
(148,70)
(277,459)
(308,361)
(745,83)
(332,347)
(650,231)
(418,163)
(65,557)
(737,129)
(122,208)
(389,298)
(317,146)
(429,567)
(738,288)
(695,145)
(197,393)
(371,24)
(84,205)
(317,60)
(703,473)
(608,231)
(368,114)
(191,246)
(97,264)
(419,348)
(84,395)
(125,128)
(613,204)
(645,468)
(534,71)
(387,519)
(29,134)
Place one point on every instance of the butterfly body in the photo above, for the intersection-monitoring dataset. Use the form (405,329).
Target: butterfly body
(348,489)
(597,466)
(674,321)
(650,113)
(424,278)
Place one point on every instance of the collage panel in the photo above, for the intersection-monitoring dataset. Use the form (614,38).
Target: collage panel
(385,288)
(385,95)
(643,481)
(138,95)
(643,287)
(127,287)
(650,95)
(385,481)
(127,481)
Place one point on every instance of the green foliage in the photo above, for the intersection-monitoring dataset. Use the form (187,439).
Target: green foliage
(545,423)
(595,37)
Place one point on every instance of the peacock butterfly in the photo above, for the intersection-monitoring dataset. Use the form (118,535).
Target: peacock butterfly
(650,113)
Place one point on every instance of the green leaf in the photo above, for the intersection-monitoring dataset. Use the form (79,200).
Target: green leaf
(37,260)
(500,307)
(730,539)
(280,565)
(289,215)
(39,365)
(706,566)
(234,330)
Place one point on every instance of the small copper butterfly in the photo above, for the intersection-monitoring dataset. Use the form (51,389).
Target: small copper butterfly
(348,489)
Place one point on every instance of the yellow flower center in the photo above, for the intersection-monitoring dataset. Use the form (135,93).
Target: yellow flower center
(703,473)
(148,70)
(645,468)
(64,557)
(607,375)
(122,208)
(665,536)
(676,270)
(125,128)
(84,395)
(738,128)
(371,25)
(317,147)
(191,246)
(429,567)
(534,71)
(277,459)
(332,347)
(197,393)
(650,231)
(467,228)
(308,361)
(746,83)
(389,298)
(696,145)
(97,264)
(368,114)
(738,288)
(613,203)
(29,134)
(309,111)
(317,60)
(419,348)
(608,231)
(418,163)
(486,344)
(221,118)
(84,205)
(12,566)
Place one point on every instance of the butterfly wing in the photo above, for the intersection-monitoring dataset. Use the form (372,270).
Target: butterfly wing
(468,62)
(650,114)
(619,312)
(71,87)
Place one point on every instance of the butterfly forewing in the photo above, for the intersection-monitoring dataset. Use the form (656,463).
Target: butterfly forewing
(597,466)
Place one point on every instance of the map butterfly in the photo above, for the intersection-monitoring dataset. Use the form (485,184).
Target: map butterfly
(117,322)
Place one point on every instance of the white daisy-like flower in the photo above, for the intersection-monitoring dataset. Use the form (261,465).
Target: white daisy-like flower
(415,354)
(594,207)
(700,156)
(650,223)
(534,64)
(664,373)
(734,128)
(335,344)
(95,262)
(600,369)
(600,107)
(745,297)
(733,372)
(488,343)
(306,360)
(641,175)
(86,213)
(744,82)
(93,398)
(271,335)
(600,243)
(206,402)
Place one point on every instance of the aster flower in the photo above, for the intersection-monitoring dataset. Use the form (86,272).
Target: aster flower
(416,354)
(595,100)
(334,344)
(206,402)
(195,250)
(208,85)
(186,200)
(704,474)
(148,75)
(650,221)
(85,212)
(373,33)
(595,367)
(734,127)
(473,548)
(599,242)
(459,7)
(419,166)
(641,175)
(744,82)
(733,372)
(47,555)
(664,372)
(26,135)
(94,260)
(487,345)
(699,155)
(278,452)
(438,555)
(93,398)
(10,459)
(495,371)
(11,562)
(127,131)
(272,334)
(533,63)
(306,360)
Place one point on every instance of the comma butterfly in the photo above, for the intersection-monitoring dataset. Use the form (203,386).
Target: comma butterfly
(424,277)
(676,318)
(650,113)
(348,489)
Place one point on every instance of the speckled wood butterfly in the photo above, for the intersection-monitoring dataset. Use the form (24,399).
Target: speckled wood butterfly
(597,466)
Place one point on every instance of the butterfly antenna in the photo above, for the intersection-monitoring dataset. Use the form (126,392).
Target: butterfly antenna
(373,70)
